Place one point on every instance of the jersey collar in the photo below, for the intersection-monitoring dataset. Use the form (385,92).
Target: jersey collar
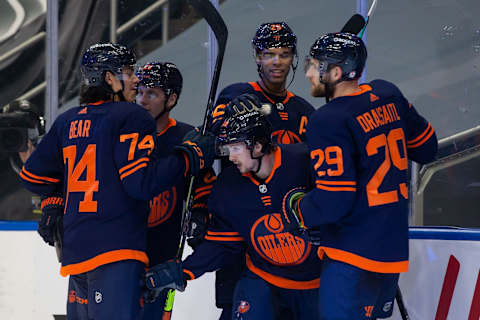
(363,88)
(97,103)
(171,123)
(257,87)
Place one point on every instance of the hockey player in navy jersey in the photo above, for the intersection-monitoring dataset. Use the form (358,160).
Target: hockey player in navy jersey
(159,88)
(99,157)
(360,143)
(275,49)
(282,270)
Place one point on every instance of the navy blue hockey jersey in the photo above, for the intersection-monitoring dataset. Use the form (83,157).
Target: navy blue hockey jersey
(164,220)
(246,220)
(289,116)
(98,156)
(359,147)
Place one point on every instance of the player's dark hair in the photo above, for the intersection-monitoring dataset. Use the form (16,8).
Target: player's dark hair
(94,94)
(268,146)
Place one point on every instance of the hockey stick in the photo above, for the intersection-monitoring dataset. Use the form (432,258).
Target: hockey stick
(355,24)
(401,305)
(216,23)
(367,19)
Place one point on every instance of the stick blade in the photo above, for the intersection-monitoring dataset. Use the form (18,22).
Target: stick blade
(354,25)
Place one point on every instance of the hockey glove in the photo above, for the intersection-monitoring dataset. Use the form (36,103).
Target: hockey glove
(167,275)
(199,149)
(198,227)
(50,224)
(291,218)
(243,103)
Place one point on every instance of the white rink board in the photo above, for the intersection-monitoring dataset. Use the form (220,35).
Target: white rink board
(422,285)
(31,287)
(30,284)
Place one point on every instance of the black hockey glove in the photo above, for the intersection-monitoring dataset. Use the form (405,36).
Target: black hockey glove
(198,227)
(167,275)
(291,218)
(200,150)
(50,225)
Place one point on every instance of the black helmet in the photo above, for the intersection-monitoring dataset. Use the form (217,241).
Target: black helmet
(342,49)
(250,127)
(274,35)
(103,57)
(163,75)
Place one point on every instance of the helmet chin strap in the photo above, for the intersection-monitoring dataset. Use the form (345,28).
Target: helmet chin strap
(259,164)
(165,109)
(327,93)
(294,69)
(260,74)
(259,158)
(329,87)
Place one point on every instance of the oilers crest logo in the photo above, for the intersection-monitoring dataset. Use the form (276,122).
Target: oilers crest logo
(161,207)
(276,245)
(285,137)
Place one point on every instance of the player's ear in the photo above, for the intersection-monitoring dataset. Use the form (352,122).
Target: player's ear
(109,78)
(337,73)
(172,100)
(257,149)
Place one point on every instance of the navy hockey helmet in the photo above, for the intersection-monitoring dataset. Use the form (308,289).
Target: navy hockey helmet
(163,75)
(102,57)
(249,127)
(341,49)
(274,35)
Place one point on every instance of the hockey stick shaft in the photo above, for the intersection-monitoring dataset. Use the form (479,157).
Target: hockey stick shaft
(401,305)
(216,23)
(367,19)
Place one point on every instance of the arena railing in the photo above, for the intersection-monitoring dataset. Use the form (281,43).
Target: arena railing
(114,33)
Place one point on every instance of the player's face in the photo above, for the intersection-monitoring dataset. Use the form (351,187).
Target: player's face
(312,72)
(275,64)
(241,157)
(152,99)
(130,81)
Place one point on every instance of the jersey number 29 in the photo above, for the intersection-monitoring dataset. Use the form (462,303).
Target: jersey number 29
(392,155)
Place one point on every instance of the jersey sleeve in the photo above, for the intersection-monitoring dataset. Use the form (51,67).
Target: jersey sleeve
(422,141)
(222,245)
(43,172)
(331,149)
(421,138)
(143,175)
